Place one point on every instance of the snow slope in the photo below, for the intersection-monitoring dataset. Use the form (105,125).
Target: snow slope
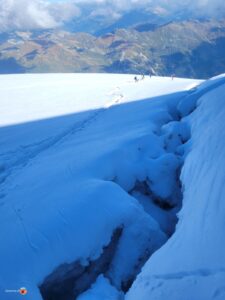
(90,186)
(192,263)
(65,103)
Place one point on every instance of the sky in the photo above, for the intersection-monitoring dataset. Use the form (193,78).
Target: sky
(33,14)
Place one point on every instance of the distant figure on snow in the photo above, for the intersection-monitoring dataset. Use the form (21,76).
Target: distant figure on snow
(135,79)
(143,77)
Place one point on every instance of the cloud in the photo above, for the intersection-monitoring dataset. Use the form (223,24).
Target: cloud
(63,11)
(31,14)
(207,8)
(199,7)
(117,5)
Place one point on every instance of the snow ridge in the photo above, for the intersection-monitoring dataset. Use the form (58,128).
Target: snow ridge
(202,283)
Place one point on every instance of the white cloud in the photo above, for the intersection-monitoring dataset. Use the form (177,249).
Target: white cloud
(118,5)
(30,14)
(63,11)
(199,6)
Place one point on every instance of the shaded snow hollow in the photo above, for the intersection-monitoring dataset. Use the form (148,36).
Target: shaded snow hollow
(93,171)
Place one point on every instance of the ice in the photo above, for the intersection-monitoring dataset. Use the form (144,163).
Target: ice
(102,289)
(138,242)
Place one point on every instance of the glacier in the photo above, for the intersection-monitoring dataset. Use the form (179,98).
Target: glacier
(112,189)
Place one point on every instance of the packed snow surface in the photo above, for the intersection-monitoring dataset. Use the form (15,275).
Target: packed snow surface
(90,187)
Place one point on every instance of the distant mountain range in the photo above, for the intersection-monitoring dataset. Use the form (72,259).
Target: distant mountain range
(100,24)
(185,48)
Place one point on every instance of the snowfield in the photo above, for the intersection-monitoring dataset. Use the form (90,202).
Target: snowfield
(111,189)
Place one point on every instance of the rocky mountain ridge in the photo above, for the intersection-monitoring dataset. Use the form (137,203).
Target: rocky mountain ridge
(189,48)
